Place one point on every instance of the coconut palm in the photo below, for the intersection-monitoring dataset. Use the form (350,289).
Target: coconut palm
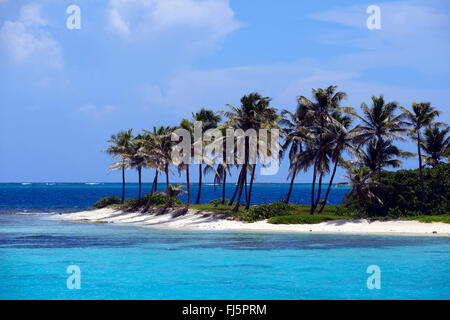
(388,152)
(185,165)
(436,145)
(172,192)
(380,122)
(137,160)
(318,111)
(254,113)
(223,168)
(163,148)
(422,115)
(209,121)
(119,147)
(339,139)
(292,123)
(359,179)
(152,160)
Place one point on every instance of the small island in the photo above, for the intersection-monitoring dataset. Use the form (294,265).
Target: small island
(319,135)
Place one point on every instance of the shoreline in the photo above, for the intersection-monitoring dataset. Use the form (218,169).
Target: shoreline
(209,221)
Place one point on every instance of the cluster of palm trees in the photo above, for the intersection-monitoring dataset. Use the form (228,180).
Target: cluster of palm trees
(317,135)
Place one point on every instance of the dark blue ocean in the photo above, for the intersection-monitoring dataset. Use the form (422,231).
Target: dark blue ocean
(78,196)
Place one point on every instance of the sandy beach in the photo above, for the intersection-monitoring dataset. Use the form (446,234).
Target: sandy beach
(195,220)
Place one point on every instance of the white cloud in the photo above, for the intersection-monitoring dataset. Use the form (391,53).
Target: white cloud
(398,18)
(26,38)
(198,20)
(92,111)
(413,34)
(117,23)
(190,90)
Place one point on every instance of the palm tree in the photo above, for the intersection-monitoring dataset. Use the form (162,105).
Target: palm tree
(209,121)
(319,110)
(223,168)
(172,192)
(292,123)
(380,122)
(436,145)
(137,159)
(359,179)
(254,113)
(185,124)
(387,150)
(163,148)
(152,160)
(339,139)
(119,147)
(422,115)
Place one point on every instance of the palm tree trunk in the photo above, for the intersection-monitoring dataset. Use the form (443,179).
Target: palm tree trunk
(288,196)
(188,187)
(166,169)
(241,186)
(319,193)
(246,193)
(236,189)
(199,183)
(155,181)
(140,185)
(312,190)
(379,159)
(419,151)
(123,184)
(359,207)
(329,187)
(223,186)
(243,175)
(152,190)
(251,185)
(319,160)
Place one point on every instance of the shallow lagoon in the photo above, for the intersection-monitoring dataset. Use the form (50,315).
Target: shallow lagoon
(121,262)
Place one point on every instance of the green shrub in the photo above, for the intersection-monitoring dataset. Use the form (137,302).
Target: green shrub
(159,199)
(428,219)
(343,211)
(106,201)
(266,211)
(130,203)
(402,196)
(298,219)
(217,202)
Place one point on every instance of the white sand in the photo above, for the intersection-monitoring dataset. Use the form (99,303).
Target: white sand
(195,220)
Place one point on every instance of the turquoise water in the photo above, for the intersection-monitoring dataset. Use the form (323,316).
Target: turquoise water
(120,262)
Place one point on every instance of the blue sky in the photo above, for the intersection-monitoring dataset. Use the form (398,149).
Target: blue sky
(140,63)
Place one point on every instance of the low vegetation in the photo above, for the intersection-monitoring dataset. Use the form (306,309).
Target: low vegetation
(401,194)
(158,199)
(445,218)
(106,201)
(401,198)
(275,213)
(299,219)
